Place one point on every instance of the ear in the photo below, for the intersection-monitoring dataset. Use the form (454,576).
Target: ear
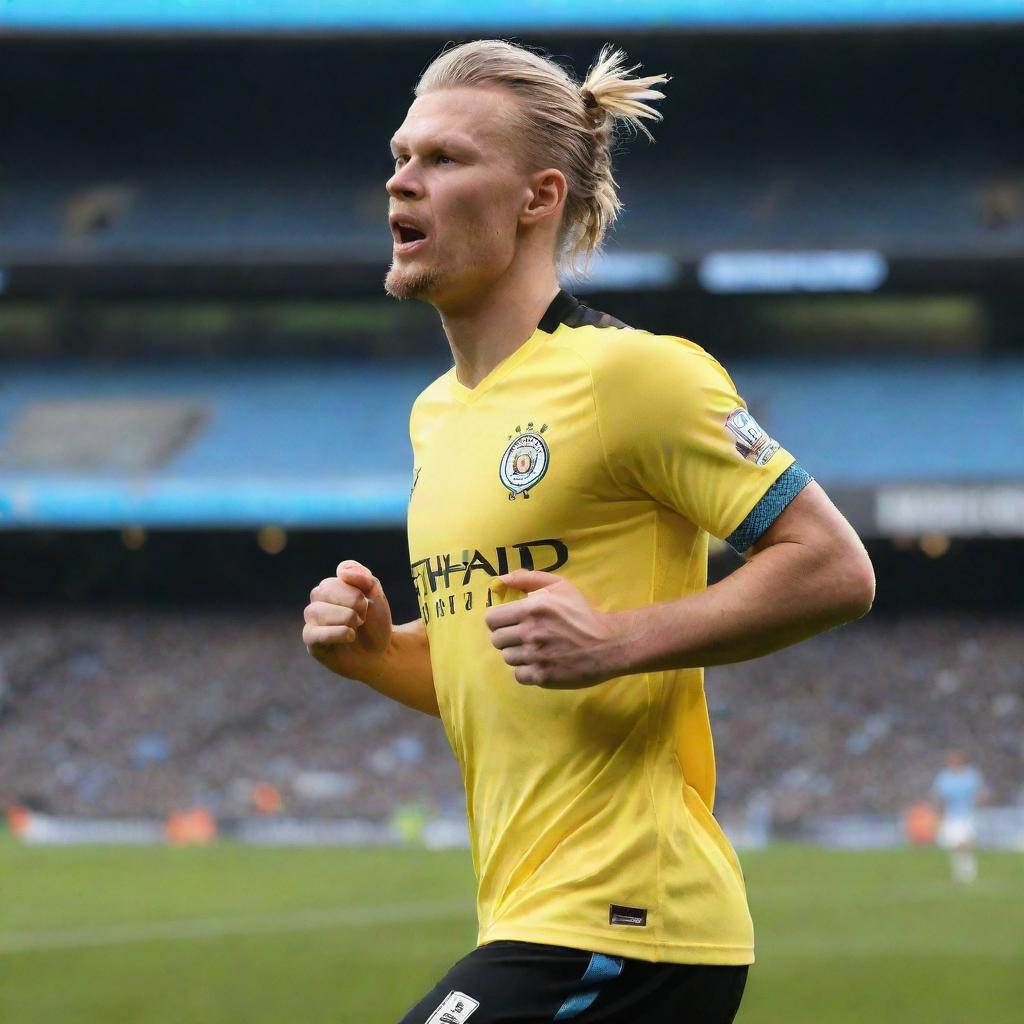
(546,191)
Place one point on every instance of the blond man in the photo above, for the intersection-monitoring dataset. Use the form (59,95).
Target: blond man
(569,470)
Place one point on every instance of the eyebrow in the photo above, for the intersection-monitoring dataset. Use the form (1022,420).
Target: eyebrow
(397,143)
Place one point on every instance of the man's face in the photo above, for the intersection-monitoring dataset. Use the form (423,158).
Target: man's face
(457,185)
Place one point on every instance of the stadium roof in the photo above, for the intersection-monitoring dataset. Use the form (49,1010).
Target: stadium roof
(451,15)
(251,167)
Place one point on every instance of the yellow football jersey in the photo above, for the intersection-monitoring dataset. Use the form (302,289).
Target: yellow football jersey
(606,455)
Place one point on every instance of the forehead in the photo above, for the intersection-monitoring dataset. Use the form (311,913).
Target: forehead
(474,117)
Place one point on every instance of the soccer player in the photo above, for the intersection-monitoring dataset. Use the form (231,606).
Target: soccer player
(568,471)
(958,788)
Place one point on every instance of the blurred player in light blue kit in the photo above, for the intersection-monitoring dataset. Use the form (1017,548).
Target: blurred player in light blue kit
(958,788)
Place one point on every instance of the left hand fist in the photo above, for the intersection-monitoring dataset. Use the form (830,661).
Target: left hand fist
(552,637)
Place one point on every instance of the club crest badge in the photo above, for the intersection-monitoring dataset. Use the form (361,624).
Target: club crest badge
(751,439)
(525,460)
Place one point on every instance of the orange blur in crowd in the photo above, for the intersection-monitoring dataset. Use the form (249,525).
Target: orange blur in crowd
(266,799)
(921,823)
(187,827)
(17,820)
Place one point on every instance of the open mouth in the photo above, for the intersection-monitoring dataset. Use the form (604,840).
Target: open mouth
(407,235)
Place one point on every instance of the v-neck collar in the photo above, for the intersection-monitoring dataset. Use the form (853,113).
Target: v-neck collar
(561,307)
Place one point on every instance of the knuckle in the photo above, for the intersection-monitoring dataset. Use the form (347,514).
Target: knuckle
(536,637)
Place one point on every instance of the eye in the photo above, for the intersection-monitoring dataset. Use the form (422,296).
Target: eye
(438,158)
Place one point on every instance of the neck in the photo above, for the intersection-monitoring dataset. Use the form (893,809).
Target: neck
(486,330)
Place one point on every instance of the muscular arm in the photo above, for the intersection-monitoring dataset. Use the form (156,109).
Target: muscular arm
(807,573)
(402,672)
(348,629)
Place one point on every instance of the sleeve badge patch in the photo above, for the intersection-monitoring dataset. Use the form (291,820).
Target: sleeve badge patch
(752,441)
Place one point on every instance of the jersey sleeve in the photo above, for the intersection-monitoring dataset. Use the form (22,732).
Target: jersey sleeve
(675,429)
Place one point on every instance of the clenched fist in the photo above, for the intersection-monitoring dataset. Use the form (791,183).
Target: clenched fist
(348,620)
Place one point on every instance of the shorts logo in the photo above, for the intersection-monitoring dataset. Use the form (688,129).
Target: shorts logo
(456,1008)
(525,460)
(752,442)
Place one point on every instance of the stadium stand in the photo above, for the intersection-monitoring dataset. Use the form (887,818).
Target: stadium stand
(908,149)
(228,442)
(293,210)
(249,171)
(143,712)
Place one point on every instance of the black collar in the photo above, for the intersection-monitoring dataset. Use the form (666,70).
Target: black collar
(562,306)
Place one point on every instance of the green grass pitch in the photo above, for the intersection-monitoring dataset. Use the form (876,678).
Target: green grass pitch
(242,935)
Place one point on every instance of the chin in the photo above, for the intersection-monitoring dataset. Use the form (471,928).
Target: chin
(411,283)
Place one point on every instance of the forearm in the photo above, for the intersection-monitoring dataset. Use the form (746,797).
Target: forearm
(402,671)
(784,594)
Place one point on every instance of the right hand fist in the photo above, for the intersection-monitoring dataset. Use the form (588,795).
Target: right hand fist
(348,617)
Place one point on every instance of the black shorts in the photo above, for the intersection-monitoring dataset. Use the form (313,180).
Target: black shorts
(529,983)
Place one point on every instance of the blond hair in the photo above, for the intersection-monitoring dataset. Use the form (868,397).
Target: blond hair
(562,124)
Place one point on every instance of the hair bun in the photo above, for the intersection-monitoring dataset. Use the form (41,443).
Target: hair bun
(589,99)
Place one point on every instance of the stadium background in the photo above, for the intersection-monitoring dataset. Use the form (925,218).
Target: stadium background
(203,402)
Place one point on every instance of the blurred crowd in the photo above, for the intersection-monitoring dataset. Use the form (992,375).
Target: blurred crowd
(140,713)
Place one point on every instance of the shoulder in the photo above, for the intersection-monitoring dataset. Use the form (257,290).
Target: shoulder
(437,390)
(630,359)
(430,401)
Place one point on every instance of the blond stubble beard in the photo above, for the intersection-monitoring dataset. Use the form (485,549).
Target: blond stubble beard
(410,284)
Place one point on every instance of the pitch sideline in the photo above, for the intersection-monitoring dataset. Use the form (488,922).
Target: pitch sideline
(214,927)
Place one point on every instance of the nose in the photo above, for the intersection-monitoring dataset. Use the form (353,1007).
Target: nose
(404,183)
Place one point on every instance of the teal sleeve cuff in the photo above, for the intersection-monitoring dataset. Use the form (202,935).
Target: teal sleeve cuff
(769,508)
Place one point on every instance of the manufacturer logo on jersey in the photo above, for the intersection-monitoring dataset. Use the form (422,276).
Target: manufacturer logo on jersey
(635,916)
(456,1008)
(525,460)
(752,441)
